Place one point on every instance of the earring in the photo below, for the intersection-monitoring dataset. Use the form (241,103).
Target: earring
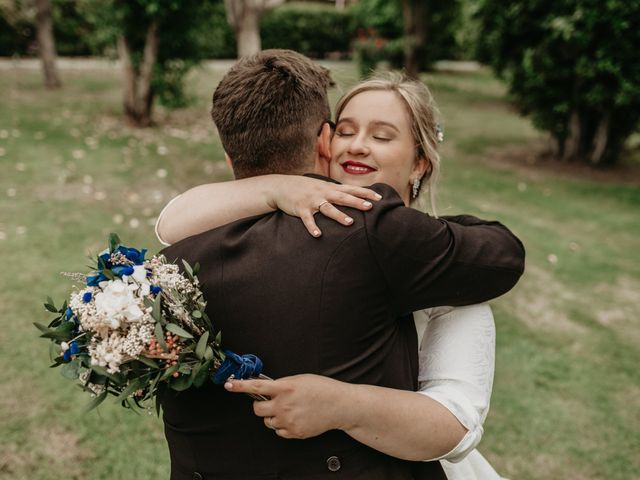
(415,188)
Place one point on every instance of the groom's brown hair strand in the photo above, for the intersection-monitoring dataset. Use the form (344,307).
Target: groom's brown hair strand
(268,109)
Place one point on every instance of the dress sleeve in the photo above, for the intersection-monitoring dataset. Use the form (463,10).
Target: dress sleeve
(160,218)
(457,362)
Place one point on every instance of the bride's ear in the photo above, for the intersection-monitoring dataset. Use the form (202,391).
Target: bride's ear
(422,169)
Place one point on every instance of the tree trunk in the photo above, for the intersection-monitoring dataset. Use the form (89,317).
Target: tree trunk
(600,141)
(572,144)
(138,93)
(244,17)
(414,16)
(47,44)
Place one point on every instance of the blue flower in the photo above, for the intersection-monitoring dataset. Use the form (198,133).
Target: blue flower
(67,355)
(94,280)
(155,289)
(120,270)
(133,254)
(73,348)
(240,366)
(69,313)
(86,298)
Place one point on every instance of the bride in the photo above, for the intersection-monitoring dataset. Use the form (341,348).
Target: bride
(386,132)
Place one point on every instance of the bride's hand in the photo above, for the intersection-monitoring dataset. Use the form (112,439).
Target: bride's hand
(304,197)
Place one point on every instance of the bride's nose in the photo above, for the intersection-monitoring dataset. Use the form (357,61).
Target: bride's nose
(358,145)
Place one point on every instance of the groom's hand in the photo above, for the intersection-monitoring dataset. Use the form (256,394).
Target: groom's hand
(300,406)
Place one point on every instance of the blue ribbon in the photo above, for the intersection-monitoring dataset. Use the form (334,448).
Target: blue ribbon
(244,366)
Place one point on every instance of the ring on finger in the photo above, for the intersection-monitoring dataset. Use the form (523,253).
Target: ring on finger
(322,204)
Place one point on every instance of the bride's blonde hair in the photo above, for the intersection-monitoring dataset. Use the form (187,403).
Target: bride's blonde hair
(423,112)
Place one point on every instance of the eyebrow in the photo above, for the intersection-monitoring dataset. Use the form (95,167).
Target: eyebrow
(380,123)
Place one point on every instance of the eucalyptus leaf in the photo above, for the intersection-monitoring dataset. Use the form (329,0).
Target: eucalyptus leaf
(109,274)
(156,312)
(70,370)
(172,327)
(196,314)
(41,327)
(103,372)
(196,269)
(187,268)
(131,388)
(202,345)
(114,241)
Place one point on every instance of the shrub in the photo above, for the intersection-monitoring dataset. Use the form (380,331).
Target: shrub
(572,65)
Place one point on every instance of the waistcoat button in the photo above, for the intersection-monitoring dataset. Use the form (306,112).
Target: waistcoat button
(333,463)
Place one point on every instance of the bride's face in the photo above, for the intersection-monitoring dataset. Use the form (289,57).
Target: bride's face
(373,143)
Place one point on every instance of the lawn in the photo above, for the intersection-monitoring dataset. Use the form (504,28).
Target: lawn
(566,398)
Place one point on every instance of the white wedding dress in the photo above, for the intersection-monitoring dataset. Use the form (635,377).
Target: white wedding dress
(457,362)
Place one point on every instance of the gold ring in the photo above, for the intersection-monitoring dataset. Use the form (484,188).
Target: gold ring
(320,206)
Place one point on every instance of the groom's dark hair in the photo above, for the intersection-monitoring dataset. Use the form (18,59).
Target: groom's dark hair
(269,109)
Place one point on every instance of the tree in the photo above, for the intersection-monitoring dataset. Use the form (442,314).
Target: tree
(414,17)
(157,41)
(47,44)
(573,66)
(244,17)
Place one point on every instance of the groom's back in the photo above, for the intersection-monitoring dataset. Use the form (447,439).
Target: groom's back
(303,305)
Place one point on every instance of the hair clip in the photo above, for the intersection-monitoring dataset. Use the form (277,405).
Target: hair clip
(439,133)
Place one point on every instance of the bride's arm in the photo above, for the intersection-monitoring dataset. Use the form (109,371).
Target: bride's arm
(212,205)
(443,420)
(457,363)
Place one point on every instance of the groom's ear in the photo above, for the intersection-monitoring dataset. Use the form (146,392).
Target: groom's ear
(228,161)
(324,142)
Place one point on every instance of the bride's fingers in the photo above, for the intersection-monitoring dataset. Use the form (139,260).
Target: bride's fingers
(361,192)
(329,211)
(310,224)
(349,200)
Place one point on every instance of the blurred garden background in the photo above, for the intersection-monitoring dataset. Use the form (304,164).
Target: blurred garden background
(104,118)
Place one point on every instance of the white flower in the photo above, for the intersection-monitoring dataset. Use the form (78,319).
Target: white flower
(117,300)
(64,346)
(139,274)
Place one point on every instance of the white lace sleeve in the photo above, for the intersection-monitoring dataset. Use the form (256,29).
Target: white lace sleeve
(160,218)
(457,361)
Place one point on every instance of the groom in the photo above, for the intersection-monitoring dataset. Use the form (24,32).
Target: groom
(338,306)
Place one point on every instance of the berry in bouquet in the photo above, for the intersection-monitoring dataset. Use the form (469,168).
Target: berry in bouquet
(137,327)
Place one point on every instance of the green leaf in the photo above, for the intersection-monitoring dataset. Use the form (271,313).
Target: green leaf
(70,370)
(96,401)
(196,314)
(187,268)
(181,383)
(109,274)
(131,388)
(41,327)
(103,372)
(172,327)
(160,336)
(202,345)
(156,312)
(202,373)
(114,241)
(196,269)
(51,307)
(149,362)
(170,371)
(219,338)
(208,353)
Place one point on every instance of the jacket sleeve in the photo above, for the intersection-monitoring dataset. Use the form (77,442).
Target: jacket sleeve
(431,261)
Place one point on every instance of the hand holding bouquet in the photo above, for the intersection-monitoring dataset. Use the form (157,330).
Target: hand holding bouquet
(137,327)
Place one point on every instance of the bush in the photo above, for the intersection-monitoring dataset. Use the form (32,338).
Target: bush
(380,31)
(316,32)
(573,65)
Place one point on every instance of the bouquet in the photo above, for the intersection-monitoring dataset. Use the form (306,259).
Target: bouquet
(138,327)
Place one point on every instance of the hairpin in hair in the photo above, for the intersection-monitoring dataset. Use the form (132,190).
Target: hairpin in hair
(439,133)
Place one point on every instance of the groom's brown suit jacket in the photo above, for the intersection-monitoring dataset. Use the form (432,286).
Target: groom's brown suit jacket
(339,305)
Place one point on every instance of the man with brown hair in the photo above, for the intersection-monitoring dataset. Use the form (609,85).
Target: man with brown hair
(339,305)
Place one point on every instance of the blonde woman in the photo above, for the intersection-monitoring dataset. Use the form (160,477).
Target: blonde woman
(386,131)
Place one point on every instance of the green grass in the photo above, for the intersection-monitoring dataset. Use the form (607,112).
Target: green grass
(566,398)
